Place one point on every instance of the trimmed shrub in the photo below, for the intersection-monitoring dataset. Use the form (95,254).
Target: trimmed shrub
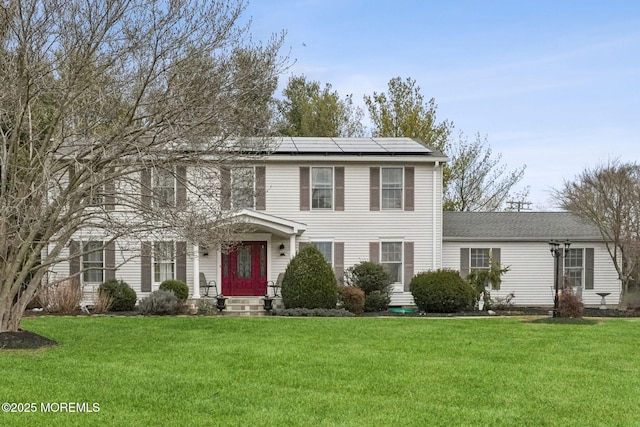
(375,281)
(442,291)
(352,299)
(123,298)
(376,301)
(309,281)
(179,288)
(160,302)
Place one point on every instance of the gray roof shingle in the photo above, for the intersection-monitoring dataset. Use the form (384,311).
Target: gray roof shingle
(517,226)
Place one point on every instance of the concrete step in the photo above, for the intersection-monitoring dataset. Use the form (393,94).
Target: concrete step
(244,306)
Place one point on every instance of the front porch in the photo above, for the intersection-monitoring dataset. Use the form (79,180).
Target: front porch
(246,273)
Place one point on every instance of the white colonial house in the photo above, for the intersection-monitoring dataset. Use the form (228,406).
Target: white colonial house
(355,199)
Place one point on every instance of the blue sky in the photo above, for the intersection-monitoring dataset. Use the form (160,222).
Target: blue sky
(554,85)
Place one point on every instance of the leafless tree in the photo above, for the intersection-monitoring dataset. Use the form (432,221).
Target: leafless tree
(608,196)
(478,182)
(95,93)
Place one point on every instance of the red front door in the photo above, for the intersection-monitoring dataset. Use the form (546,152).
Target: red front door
(244,270)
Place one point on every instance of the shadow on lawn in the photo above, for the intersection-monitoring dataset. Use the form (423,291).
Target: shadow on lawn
(564,321)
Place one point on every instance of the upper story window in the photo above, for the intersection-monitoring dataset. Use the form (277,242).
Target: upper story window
(322,188)
(163,261)
(243,187)
(164,188)
(480,259)
(574,267)
(391,186)
(92,262)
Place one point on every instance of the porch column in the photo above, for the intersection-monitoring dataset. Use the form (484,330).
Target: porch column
(196,271)
(292,246)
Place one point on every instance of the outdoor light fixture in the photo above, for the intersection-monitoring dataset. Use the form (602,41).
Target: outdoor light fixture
(558,254)
(281,247)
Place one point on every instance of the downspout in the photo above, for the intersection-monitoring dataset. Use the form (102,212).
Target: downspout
(434,206)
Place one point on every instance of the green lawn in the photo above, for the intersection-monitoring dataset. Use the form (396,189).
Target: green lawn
(327,371)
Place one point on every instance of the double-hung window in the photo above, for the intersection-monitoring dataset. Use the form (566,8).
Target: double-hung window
(574,268)
(92,262)
(391,259)
(164,188)
(480,259)
(322,188)
(243,187)
(391,187)
(163,261)
(326,248)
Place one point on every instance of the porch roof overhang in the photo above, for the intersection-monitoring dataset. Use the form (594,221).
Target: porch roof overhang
(271,223)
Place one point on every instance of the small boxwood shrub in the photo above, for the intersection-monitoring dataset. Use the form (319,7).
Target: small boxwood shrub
(352,299)
(179,288)
(123,298)
(376,301)
(309,282)
(160,302)
(375,281)
(442,291)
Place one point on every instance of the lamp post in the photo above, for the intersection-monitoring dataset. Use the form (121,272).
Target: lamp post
(558,254)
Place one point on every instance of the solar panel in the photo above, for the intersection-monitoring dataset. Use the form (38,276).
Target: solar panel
(301,145)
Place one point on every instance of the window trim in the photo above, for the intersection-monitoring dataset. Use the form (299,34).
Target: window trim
(401,262)
(157,203)
(582,268)
(92,269)
(331,242)
(233,178)
(401,189)
(471,258)
(159,262)
(333,188)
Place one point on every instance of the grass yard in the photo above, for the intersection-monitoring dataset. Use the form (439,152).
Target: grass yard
(327,371)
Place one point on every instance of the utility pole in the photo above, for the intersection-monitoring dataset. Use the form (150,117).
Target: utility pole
(520,205)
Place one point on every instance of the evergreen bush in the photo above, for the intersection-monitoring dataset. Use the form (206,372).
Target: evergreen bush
(375,281)
(160,302)
(309,282)
(442,291)
(123,297)
(179,288)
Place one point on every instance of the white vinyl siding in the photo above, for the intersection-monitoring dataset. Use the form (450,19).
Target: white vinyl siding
(531,270)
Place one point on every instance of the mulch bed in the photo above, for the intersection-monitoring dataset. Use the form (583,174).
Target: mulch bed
(24,340)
